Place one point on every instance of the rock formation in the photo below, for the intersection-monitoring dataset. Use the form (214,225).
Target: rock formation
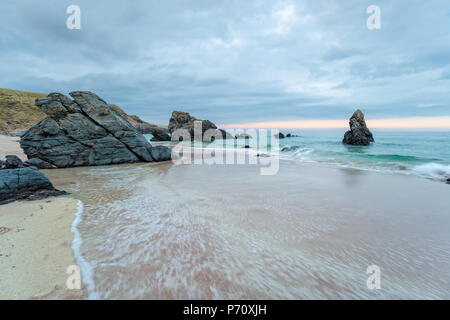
(183,120)
(279,136)
(359,134)
(20,183)
(85,131)
(25,184)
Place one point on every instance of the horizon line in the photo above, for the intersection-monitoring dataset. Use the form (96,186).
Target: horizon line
(389,123)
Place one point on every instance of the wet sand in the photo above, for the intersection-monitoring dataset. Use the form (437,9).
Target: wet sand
(35,249)
(225,232)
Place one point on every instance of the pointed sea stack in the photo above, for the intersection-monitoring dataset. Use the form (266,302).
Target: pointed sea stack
(359,134)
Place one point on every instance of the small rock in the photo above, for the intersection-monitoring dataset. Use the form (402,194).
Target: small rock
(243,136)
(448,181)
(279,136)
(13,162)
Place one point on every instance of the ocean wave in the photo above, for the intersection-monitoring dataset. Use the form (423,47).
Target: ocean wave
(433,170)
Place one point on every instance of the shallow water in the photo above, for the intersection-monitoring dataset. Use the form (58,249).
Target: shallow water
(226,232)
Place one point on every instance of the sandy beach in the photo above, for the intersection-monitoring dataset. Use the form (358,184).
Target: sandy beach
(10,146)
(35,249)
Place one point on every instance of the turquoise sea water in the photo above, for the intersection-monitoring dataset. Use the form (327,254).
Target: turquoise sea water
(425,154)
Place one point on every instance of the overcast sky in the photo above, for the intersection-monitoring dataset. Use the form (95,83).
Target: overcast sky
(235,61)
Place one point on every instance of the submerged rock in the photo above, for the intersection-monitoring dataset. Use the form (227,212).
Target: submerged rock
(85,131)
(25,184)
(183,120)
(359,134)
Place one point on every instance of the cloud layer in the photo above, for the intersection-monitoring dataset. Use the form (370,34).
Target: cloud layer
(235,61)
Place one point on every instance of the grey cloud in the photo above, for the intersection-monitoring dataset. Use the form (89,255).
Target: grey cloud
(225,61)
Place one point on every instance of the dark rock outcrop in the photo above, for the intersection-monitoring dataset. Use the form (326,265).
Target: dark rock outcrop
(448,181)
(359,134)
(2,163)
(85,131)
(183,120)
(279,136)
(13,162)
(25,184)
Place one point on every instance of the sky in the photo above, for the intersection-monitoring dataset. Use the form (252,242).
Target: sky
(238,62)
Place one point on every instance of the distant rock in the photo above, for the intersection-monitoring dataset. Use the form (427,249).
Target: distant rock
(448,181)
(183,120)
(13,162)
(279,136)
(25,184)
(142,126)
(159,134)
(85,131)
(243,136)
(359,134)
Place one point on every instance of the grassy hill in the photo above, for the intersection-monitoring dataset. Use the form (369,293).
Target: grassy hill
(17,110)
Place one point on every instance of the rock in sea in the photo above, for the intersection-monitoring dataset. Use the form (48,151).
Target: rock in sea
(25,184)
(359,134)
(85,131)
(279,136)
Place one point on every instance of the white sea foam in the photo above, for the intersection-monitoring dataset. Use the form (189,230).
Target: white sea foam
(86,269)
(433,170)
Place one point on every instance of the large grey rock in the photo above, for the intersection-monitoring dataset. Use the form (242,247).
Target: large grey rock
(25,184)
(85,131)
(183,120)
(359,134)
